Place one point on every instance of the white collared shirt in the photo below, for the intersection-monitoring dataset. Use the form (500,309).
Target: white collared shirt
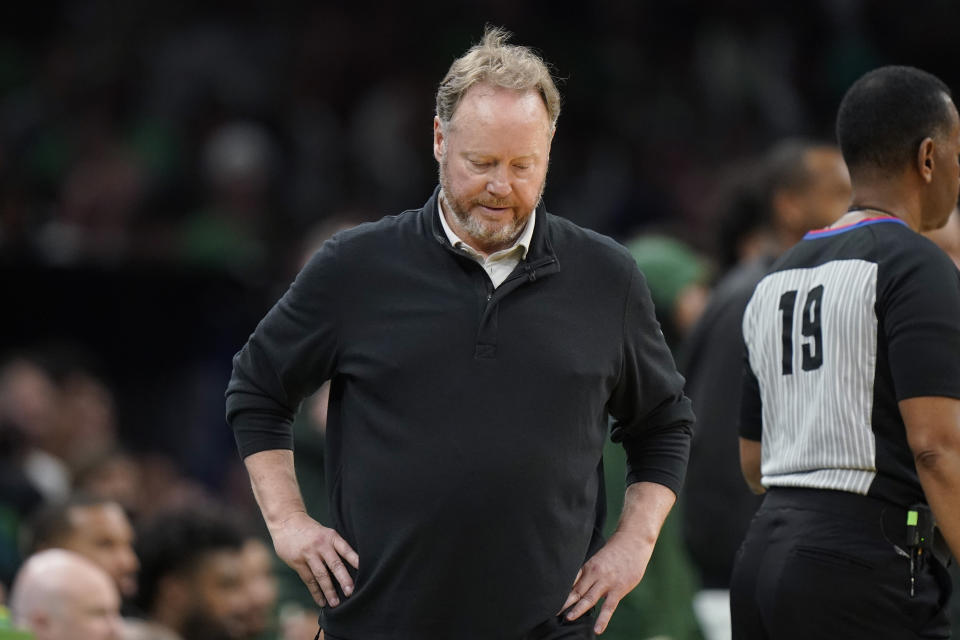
(500,264)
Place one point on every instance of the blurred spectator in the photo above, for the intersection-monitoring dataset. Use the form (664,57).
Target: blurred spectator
(65,413)
(804,185)
(99,198)
(60,595)
(677,276)
(97,529)
(87,421)
(28,403)
(28,474)
(319,233)
(948,237)
(192,575)
(113,475)
(260,615)
(389,110)
(238,165)
(165,488)
(19,496)
(740,224)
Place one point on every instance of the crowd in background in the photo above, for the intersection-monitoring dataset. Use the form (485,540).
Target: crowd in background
(165,168)
(203,136)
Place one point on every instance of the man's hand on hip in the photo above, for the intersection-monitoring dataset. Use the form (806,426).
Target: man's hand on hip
(317,554)
(620,564)
(609,575)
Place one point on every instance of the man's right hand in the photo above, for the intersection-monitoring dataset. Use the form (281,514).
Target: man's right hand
(317,554)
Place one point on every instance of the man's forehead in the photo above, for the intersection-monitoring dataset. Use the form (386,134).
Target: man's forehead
(489,102)
(103,516)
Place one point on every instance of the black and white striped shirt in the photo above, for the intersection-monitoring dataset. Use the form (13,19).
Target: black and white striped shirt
(845,325)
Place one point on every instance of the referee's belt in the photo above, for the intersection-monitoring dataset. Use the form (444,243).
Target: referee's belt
(909,528)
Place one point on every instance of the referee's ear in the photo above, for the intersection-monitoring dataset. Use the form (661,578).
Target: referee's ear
(925,159)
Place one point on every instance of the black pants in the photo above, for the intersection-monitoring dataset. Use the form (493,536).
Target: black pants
(556,628)
(559,628)
(820,564)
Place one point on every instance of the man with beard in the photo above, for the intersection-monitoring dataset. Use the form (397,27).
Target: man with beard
(261,587)
(192,580)
(93,527)
(475,349)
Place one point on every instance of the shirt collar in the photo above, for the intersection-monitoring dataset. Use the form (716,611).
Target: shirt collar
(523,241)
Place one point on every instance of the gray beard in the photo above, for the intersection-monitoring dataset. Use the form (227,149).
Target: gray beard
(490,238)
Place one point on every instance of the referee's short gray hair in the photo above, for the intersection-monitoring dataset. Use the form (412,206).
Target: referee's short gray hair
(495,62)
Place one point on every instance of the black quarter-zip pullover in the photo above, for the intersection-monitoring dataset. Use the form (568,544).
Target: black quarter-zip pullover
(466,423)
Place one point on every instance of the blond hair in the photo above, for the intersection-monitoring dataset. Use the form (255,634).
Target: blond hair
(495,62)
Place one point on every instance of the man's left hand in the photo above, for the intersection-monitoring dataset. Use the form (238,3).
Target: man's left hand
(620,564)
(610,574)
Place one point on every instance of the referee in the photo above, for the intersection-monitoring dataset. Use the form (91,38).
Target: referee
(850,419)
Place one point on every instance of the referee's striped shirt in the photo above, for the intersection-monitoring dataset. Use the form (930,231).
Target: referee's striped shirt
(845,325)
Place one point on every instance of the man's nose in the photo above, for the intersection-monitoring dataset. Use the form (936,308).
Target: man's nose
(499,183)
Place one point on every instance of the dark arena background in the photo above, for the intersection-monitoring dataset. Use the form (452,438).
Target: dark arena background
(166,167)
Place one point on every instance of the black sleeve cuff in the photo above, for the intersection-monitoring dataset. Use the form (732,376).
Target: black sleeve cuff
(659,455)
(259,424)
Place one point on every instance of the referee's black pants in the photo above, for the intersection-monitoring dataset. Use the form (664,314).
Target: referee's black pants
(816,564)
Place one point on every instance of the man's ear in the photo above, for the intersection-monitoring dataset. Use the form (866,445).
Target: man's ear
(925,160)
(439,140)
